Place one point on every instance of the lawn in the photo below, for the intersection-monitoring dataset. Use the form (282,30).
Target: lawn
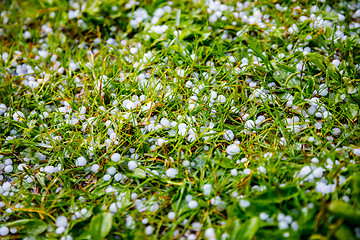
(179,119)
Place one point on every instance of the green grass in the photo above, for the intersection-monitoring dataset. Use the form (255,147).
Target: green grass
(292,173)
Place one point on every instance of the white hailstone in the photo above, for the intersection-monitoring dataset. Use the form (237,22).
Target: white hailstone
(165,122)
(250,124)
(171,215)
(72,66)
(61,221)
(8,169)
(228,135)
(49,169)
(27,35)
(244,203)
(283,225)
(318,125)
(186,163)
(60,230)
(145,221)
(336,62)
(171,172)
(18,116)
(193,204)
(95,167)
(233,149)
(107,177)
(3,109)
(207,189)
(305,171)
(6,186)
(118,177)
(132,165)
(160,141)
(222,99)
(133,50)
(149,230)
(210,234)
(318,172)
(288,219)
(191,237)
(80,161)
(295,226)
(356,151)
(188,198)
(263,216)
(247,171)
(111,170)
(323,90)
(8,161)
(115,157)
(113,208)
(261,169)
(234,172)
(4,231)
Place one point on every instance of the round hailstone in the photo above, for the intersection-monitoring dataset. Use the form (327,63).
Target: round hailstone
(263,216)
(8,169)
(95,167)
(80,161)
(171,172)
(18,116)
(113,208)
(61,221)
(111,170)
(4,231)
(356,151)
(244,203)
(250,124)
(132,165)
(247,171)
(60,230)
(115,157)
(107,177)
(149,230)
(207,189)
(171,215)
(210,234)
(234,172)
(232,149)
(193,204)
(228,135)
(160,142)
(6,186)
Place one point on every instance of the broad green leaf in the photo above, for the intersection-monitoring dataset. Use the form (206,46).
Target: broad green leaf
(138,173)
(29,227)
(276,194)
(100,225)
(224,162)
(346,211)
(344,232)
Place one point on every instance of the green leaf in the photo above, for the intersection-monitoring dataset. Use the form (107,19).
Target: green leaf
(251,227)
(224,162)
(318,60)
(245,230)
(346,211)
(276,194)
(29,227)
(352,110)
(100,225)
(138,173)
(344,232)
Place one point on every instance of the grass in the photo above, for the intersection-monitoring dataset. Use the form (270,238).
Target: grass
(161,84)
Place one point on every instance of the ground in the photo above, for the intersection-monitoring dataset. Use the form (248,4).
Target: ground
(179,119)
